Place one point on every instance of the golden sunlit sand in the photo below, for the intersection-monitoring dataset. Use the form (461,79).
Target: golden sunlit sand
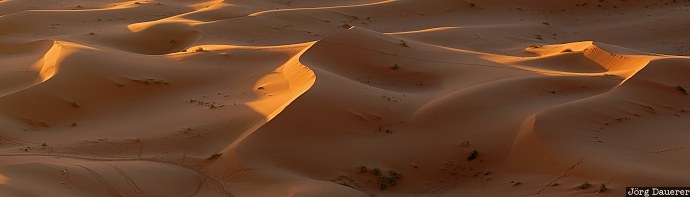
(343,97)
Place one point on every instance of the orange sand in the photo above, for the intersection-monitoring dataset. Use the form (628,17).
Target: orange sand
(312,98)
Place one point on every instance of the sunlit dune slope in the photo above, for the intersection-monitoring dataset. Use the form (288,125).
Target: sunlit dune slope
(342,98)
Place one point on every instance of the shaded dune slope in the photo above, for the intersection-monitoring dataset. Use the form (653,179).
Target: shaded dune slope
(308,98)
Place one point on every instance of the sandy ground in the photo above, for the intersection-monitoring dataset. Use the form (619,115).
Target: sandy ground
(343,97)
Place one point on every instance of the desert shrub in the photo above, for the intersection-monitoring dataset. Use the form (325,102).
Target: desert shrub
(584,185)
(602,188)
(682,90)
(473,155)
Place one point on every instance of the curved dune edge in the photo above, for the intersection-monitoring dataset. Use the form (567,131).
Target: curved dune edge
(413,98)
(293,78)
(274,91)
(526,147)
(49,63)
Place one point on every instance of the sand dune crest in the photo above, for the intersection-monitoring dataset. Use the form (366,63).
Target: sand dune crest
(342,98)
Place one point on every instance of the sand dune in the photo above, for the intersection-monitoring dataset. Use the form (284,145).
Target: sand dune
(342,98)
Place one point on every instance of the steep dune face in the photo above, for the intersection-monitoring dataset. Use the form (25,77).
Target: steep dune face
(342,98)
(24,62)
(618,131)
